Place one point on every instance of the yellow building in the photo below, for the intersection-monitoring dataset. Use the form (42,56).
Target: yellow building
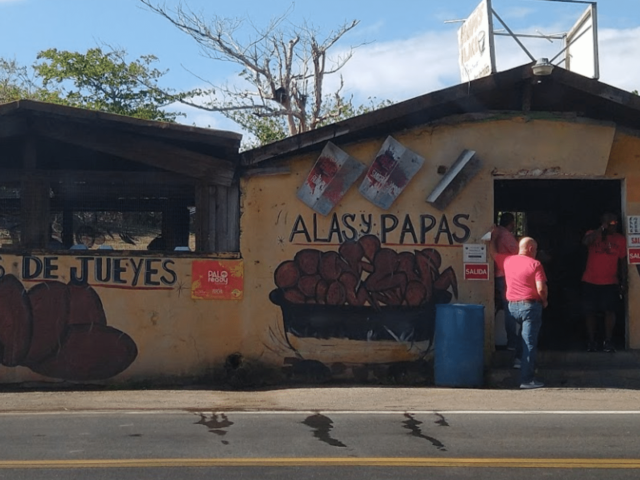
(320,256)
(557,151)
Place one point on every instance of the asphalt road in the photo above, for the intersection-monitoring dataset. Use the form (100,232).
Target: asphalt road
(319,444)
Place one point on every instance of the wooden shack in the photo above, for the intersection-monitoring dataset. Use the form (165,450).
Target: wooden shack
(102,218)
(64,160)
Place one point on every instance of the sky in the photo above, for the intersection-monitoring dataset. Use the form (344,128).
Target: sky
(405,48)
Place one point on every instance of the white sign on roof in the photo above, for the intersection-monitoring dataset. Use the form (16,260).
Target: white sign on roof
(581,54)
(476,55)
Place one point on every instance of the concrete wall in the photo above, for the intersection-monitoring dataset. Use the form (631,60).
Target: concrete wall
(110,318)
(625,156)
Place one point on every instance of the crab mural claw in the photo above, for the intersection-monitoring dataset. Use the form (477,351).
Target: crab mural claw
(60,330)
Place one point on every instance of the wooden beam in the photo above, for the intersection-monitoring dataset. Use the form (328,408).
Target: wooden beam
(229,238)
(218,218)
(111,205)
(12,127)
(29,154)
(95,177)
(34,223)
(215,138)
(87,193)
(67,226)
(102,205)
(34,202)
(205,218)
(143,150)
(265,171)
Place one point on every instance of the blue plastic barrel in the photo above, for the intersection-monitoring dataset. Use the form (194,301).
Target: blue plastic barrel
(459,345)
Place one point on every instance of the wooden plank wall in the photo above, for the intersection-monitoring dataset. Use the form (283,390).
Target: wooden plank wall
(218,218)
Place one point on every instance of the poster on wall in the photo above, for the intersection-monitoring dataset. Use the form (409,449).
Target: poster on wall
(329,179)
(217,279)
(393,168)
(474,253)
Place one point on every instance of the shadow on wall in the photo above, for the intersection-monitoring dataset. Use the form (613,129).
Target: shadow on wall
(60,330)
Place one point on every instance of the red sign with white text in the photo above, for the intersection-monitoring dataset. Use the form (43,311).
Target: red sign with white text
(476,271)
(217,279)
(634,256)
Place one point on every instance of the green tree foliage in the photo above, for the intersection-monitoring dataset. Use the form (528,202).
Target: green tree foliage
(11,81)
(96,80)
(16,84)
(105,81)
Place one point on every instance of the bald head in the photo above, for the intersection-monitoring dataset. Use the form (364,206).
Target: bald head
(528,246)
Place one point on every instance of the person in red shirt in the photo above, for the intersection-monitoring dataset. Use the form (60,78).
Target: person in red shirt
(602,278)
(527,295)
(503,242)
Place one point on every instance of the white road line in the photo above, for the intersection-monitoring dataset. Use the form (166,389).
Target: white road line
(323,412)
(270,462)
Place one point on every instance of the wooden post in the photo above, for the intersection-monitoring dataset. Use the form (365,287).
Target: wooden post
(175,226)
(67,225)
(205,218)
(218,218)
(34,200)
(228,218)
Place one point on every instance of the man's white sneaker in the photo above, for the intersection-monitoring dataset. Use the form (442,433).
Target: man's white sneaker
(532,384)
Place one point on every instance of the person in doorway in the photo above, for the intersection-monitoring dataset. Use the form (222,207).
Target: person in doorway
(503,236)
(603,279)
(503,242)
(527,295)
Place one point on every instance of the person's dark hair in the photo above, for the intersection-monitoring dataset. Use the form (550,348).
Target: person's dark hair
(506,219)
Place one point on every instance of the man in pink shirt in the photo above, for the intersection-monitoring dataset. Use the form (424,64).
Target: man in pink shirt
(527,296)
(602,278)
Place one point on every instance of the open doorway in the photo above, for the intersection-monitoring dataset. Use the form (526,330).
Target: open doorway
(557,214)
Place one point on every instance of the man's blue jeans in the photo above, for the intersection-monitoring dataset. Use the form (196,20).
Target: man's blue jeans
(513,340)
(529,315)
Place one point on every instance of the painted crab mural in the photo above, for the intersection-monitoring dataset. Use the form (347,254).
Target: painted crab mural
(60,330)
(363,291)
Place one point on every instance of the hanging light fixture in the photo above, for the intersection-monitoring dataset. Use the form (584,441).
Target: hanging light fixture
(542,67)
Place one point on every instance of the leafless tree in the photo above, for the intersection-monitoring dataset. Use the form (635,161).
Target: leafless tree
(284,67)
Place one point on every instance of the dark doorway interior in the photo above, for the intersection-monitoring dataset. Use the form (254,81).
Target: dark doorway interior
(557,213)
